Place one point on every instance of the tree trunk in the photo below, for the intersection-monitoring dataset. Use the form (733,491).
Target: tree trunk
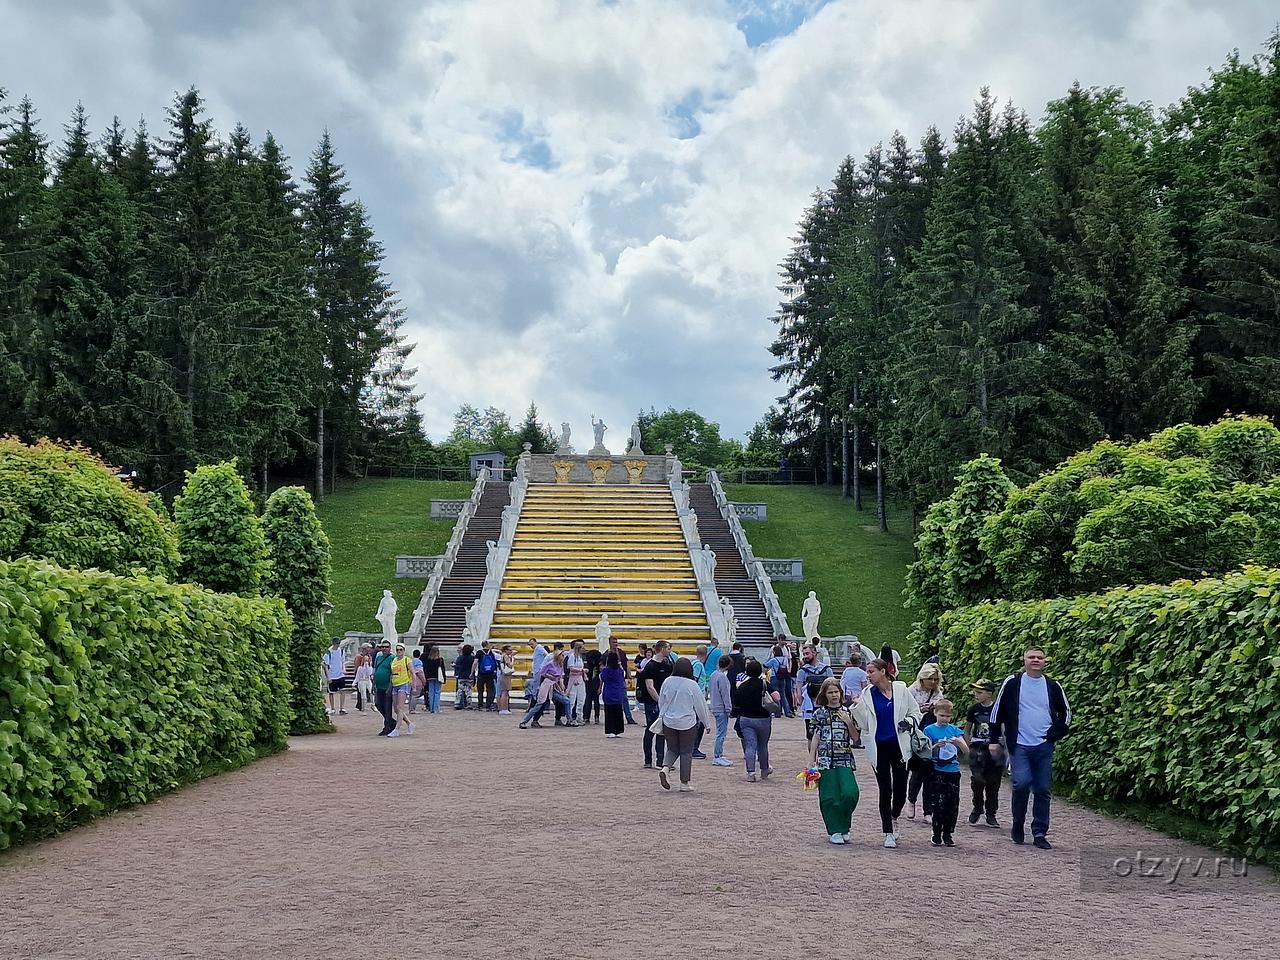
(264,478)
(857,459)
(881,515)
(320,454)
(829,466)
(844,456)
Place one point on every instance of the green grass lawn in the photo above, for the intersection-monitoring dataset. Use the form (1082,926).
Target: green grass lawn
(368,523)
(856,571)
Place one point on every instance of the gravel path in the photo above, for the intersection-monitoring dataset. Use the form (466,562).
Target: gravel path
(483,841)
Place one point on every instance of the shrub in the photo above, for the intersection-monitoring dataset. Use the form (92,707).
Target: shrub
(1174,691)
(299,573)
(219,534)
(114,690)
(64,505)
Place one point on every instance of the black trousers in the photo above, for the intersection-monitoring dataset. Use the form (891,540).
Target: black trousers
(946,802)
(593,701)
(984,780)
(613,721)
(488,686)
(383,699)
(921,782)
(891,778)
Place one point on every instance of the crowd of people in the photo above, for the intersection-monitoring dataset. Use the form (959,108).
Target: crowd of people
(908,733)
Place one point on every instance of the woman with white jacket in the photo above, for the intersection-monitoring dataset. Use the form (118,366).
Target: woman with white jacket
(681,707)
(885,713)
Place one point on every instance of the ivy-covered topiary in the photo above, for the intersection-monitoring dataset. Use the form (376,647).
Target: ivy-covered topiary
(1173,691)
(219,534)
(63,504)
(299,574)
(114,690)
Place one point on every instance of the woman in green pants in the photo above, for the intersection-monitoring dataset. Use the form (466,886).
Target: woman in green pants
(831,752)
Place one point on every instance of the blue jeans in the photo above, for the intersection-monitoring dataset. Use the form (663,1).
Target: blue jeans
(650,715)
(1032,773)
(626,708)
(755,741)
(433,695)
(536,710)
(722,731)
(788,693)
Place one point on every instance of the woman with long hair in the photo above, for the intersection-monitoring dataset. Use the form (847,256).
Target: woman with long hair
(549,690)
(831,754)
(755,719)
(681,707)
(364,678)
(928,692)
(433,668)
(613,681)
(401,685)
(885,713)
(506,670)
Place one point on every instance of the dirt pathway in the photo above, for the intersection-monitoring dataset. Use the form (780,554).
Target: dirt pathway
(478,840)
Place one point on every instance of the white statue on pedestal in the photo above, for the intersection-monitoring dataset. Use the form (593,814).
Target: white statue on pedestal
(473,622)
(603,632)
(809,614)
(509,519)
(634,449)
(387,617)
(709,561)
(491,557)
(598,428)
(730,620)
(563,445)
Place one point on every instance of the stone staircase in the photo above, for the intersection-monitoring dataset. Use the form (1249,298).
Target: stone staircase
(462,587)
(732,579)
(582,550)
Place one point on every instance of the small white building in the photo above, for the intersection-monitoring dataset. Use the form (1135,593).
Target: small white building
(493,459)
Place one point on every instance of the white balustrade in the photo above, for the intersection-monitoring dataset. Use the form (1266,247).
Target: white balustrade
(443,568)
(751,511)
(777,618)
(416,568)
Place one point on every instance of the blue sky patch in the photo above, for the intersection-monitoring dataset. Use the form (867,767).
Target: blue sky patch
(772,19)
(531,148)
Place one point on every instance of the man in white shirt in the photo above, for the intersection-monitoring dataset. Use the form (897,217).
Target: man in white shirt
(1033,714)
(335,665)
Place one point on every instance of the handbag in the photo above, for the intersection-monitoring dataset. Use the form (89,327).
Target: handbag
(921,746)
(773,706)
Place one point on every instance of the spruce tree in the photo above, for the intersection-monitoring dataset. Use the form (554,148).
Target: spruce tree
(533,432)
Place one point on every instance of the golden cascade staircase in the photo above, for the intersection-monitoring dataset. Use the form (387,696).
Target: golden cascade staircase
(582,550)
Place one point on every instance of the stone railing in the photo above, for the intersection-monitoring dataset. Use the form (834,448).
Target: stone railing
(747,511)
(790,569)
(444,509)
(415,568)
(442,569)
(704,576)
(777,619)
(480,613)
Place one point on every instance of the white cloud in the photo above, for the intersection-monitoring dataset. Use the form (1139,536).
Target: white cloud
(552,238)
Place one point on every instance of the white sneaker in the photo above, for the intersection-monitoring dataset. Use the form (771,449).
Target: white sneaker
(890,841)
(837,838)
(686,788)
(393,733)
(504,713)
(722,762)
(846,837)
(751,778)
(328,712)
(412,726)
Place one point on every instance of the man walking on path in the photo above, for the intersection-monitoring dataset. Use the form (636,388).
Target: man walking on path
(648,688)
(487,677)
(335,662)
(1032,713)
(382,686)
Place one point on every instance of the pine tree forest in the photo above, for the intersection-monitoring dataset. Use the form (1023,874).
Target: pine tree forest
(1024,290)
(181,299)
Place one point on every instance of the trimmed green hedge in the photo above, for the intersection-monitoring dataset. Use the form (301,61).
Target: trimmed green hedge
(65,505)
(114,690)
(1175,692)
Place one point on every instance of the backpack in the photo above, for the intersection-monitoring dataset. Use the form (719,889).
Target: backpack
(813,681)
(488,662)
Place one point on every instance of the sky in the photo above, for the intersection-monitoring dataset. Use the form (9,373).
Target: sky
(584,203)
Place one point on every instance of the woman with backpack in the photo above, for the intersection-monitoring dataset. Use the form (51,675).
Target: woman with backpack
(885,714)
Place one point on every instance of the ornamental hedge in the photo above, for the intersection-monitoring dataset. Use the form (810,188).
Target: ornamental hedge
(114,690)
(1175,692)
(219,533)
(65,505)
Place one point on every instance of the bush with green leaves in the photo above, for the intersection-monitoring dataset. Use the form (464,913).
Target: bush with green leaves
(114,690)
(299,573)
(65,505)
(219,533)
(1175,692)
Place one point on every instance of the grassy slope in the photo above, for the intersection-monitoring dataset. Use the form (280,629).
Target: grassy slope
(368,523)
(857,572)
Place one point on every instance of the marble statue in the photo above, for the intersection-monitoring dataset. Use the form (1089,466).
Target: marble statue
(491,557)
(603,633)
(598,428)
(473,621)
(387,617)
(730,620)
(709,561)
(563,445)
(809,614)
(509,518)
(635,449)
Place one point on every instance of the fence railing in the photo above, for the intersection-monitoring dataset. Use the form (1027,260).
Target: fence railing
(409,471)
(751,511)
(416,568)
(789,568)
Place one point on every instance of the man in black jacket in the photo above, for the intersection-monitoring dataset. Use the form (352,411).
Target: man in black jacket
(1032,713)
